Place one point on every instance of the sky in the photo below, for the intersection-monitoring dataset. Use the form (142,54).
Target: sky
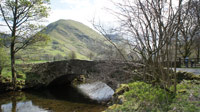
(81,10)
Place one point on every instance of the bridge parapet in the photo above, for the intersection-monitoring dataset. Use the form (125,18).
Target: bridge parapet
(110,72)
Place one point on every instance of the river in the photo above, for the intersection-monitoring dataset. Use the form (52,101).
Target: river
(65,99)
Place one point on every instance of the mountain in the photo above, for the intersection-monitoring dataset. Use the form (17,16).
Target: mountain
(116,38)
(69,38)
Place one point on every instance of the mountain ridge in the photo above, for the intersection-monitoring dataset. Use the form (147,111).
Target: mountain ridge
(71,37)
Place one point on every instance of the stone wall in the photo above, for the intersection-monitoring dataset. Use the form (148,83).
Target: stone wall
(110,72)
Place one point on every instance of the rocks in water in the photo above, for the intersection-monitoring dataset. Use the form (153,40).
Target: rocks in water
(97,91)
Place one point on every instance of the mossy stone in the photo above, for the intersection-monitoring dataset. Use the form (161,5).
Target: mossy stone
(182,91)
(123,88)
(20,76)
(114,106)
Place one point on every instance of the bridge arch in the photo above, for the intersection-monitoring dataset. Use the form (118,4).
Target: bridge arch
(60,72)
(63,80)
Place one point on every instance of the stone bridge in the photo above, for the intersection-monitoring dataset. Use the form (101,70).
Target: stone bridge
(64,72)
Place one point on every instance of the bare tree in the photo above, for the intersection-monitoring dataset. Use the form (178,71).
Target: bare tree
(197,47)
(152,27)
(190,27)
(107,32)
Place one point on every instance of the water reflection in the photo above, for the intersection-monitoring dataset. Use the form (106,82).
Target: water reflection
(21,107)
(47,101)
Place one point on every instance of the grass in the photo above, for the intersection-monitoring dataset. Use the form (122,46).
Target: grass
(143,97)
(30,61)
(6,72)
(187,98)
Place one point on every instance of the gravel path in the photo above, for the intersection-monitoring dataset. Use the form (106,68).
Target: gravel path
(192,70)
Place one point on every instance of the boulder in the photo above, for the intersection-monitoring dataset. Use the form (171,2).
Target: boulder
(97,91)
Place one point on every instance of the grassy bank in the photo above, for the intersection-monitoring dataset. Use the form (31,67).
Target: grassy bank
(6,78)
(143,97)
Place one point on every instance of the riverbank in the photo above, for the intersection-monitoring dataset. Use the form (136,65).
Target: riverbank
(6,78)
(6,85)
(141,96)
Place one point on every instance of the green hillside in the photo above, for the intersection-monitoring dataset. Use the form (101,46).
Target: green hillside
(68,38)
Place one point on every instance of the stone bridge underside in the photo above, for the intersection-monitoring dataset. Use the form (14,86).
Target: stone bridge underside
(62,72)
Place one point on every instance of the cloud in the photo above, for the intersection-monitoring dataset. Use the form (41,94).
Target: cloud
(77,4)
(75,1)
(82,11)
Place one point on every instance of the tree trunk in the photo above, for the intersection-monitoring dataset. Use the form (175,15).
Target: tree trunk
(12,47)
(13,66)
(0,70)
(198,53)
(176,48)
(175,76)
